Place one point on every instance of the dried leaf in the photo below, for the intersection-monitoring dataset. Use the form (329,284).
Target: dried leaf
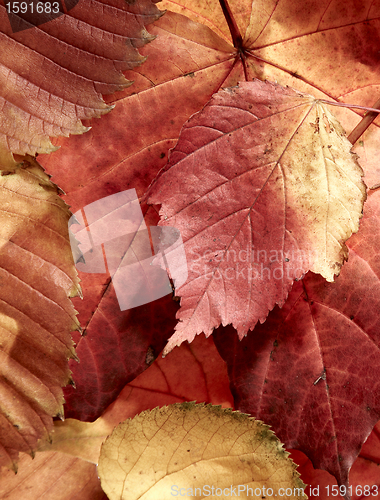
(53,77)
(263,187)
(191,446)
(309,362)
(37,275)
(51,476)
(139,334)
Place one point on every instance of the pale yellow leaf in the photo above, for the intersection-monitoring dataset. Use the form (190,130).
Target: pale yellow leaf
(192,446)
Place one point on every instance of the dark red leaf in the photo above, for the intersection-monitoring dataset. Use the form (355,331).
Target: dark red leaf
(312,369)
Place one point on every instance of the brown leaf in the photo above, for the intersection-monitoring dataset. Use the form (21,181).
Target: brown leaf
(51,476)
(37,275)
(53,76)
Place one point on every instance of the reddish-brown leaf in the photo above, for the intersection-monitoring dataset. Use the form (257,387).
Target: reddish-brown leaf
(117,347)
(37,276)
(312,369)
(364,474)
(263,187)
(53,76)
(52,476)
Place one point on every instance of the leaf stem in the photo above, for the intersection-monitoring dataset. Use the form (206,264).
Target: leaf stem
(234,29)
(362,126)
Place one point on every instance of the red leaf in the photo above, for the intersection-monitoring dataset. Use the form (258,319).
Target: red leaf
(52,476)
(118,346)
(312,370)
(264,177)
(53,76)
(364,475)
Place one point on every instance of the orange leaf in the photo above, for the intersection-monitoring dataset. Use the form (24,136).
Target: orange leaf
(52,476)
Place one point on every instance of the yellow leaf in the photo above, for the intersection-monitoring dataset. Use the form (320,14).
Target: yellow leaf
(203,449)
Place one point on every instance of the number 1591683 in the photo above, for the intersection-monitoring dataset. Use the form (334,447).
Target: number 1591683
(32,8)
(360,491)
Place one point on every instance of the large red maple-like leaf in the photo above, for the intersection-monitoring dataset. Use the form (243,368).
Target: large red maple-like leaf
(306,370)
(263,187)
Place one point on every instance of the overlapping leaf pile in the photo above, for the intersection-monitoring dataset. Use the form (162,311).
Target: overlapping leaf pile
(305,370)
(66,469)
(52,78)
